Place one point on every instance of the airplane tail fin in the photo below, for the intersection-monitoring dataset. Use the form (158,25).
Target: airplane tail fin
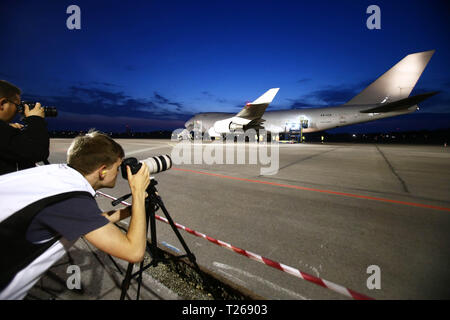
(397,83)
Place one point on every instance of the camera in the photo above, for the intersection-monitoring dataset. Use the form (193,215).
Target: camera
(155,164)
(48,111)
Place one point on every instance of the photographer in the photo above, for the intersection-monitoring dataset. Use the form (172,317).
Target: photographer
(45,209)
(21,146)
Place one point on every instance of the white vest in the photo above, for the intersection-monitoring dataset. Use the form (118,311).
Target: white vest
(22,188)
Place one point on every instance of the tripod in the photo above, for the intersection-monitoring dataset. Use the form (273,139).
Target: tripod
(152,203)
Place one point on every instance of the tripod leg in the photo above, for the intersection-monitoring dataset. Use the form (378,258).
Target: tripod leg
(126,281)
(139,280)
(190,255)
(115,264)
(150,210)
(154,241)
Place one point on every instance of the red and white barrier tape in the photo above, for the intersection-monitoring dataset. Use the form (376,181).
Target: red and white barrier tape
(295,272)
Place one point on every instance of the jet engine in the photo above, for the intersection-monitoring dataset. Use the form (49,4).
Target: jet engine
(227,126)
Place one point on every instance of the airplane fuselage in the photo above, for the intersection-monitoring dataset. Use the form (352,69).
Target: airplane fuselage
(310,120)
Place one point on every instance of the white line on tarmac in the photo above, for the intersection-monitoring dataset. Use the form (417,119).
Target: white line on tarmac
(143,150)
(253,145)
(142,143)
(233,278)
(259,279)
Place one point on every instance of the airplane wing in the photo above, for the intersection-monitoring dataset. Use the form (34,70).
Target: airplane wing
(400,104)
(255,110)
(248,117)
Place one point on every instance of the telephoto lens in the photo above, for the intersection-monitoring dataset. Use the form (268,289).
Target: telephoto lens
(155,164)
(158,164)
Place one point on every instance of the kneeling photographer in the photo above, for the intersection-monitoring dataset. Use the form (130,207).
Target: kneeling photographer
(45,209)
(21,146)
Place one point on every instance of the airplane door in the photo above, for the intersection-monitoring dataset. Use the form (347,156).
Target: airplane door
(292,126)
(297,124)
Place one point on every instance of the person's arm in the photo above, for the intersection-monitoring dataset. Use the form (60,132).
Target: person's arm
(31,142)
(129,246)
(117,215)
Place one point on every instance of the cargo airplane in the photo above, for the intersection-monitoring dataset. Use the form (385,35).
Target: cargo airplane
(387,96)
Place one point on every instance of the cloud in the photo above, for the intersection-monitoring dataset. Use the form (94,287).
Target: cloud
(160,98)
(300,104)
(106,123)
(304,80)
(164,101)
(213,97)
(333,96)
(98,94)
(328,95)
(116,106)
(208,94)
(336,95)
(106,84)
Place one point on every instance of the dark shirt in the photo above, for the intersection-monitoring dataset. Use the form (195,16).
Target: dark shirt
(22,148)
(71,218)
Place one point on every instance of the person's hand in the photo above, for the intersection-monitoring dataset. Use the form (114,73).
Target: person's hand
(36,111)
(16,125)
(140,181)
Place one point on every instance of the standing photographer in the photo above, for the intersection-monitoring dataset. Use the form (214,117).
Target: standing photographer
(44,210)
(21,146)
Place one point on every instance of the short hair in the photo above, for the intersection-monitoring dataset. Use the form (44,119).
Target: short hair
(8,90)
(89,152)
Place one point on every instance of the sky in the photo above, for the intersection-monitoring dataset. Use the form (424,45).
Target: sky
(151,65)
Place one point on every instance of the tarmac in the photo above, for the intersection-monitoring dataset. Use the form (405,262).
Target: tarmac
(331,210)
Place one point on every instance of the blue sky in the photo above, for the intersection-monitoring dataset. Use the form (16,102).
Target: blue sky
(152,64)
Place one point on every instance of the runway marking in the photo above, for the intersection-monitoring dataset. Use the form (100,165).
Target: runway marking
(143,150)
(259,279)
(306,158)
(402,182)
(171,247)
(352,195)
(266,261)
(233,278)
